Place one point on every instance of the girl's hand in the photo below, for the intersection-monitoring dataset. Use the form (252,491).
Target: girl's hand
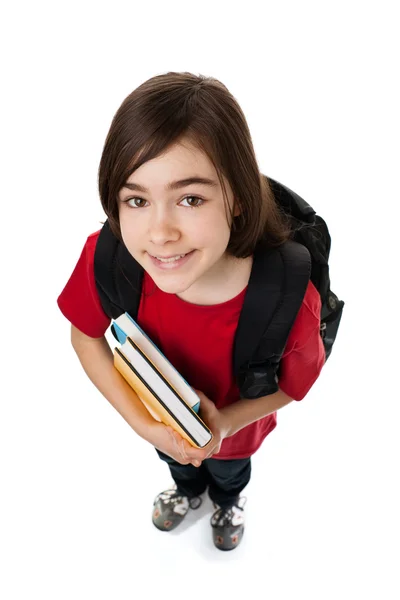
(170,442)
(167,440)
(216,421)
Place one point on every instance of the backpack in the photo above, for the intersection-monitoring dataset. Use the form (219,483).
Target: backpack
(271,303)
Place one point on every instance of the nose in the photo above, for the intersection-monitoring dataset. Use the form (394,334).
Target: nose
(163,228)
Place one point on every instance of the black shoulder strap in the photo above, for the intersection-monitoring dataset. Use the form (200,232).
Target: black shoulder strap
(118,275)
(276,289)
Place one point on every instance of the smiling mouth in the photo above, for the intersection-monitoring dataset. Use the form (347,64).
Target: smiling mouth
(169,259)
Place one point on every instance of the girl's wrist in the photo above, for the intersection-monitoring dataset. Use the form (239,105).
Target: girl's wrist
(226,426)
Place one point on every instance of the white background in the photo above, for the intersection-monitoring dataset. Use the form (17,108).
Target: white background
(318,83)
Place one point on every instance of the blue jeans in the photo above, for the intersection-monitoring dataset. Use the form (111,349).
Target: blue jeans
(225,479)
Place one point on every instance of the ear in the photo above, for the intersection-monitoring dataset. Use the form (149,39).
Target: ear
(236,209)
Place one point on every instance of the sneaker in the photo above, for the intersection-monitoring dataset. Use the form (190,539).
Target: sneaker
(228,525)
(170,508)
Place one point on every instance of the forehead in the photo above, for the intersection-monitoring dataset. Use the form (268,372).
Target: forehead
(183,158)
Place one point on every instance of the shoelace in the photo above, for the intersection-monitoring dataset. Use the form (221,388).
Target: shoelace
(172,496)
(224,516)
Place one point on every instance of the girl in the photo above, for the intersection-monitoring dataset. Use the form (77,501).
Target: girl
(180,185)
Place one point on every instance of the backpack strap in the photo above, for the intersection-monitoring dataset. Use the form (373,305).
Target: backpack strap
(276,289)
(118,275)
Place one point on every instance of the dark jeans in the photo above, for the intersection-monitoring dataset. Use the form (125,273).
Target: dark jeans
(225,479)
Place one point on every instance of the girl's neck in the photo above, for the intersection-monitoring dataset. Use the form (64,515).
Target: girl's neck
(230,282)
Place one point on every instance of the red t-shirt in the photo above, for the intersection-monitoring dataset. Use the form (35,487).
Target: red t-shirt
(204,358)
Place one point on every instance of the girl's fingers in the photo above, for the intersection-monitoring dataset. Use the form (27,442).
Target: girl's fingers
(185,450)
(178,446)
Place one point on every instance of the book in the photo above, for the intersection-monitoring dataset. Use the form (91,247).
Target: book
(162,389)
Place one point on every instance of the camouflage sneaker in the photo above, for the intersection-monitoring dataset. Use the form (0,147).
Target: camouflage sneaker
(228,525)
(170,508)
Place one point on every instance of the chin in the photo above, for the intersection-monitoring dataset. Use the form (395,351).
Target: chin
(171,287)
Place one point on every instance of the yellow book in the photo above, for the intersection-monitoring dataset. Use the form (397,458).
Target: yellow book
(166,395)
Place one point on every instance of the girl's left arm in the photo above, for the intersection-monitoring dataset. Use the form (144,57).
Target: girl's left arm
(244,412)
(299,371)
(227,421)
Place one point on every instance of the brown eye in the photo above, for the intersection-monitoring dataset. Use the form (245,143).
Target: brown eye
(136,202)
(197,201)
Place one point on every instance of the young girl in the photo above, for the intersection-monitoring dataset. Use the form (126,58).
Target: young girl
(180,185)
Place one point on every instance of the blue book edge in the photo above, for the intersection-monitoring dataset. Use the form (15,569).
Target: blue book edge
(121,336)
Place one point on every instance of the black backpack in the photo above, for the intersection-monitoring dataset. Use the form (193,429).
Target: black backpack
(271,303)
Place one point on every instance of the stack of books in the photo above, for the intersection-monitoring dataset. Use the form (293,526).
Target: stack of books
(164,392)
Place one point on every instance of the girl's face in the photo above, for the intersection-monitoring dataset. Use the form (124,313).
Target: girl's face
(177,230)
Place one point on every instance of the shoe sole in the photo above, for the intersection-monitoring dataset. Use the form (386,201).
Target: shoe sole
(223,545)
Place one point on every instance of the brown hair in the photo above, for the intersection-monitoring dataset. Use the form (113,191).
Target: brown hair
(172,105)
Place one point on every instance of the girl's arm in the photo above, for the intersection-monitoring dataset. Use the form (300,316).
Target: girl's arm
(226,421)
(244,412)
(97,360)
(300,368)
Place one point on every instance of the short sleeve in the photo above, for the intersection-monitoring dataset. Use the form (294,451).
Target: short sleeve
(304,355)
(79,301)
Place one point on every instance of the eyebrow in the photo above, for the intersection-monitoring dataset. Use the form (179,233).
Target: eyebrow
(175,185)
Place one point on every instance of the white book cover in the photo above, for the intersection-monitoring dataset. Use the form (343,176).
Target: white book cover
(162,390)
(124,326)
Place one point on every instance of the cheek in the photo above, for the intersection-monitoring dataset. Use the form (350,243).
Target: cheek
(130,238)
(130,227)
(216,231)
